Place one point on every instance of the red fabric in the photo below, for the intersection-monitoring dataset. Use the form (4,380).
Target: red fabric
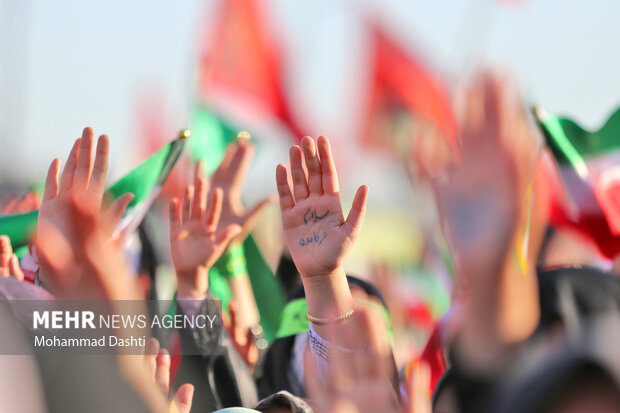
(607,192)
(175,356)
(592,226)
(400,77)
(433,356)
(242,61)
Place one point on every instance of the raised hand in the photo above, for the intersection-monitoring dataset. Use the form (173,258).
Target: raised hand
(157,361)
(195,241)
(9,264)
(16,205)
(483,202)
(230,177)
(242,337)
(85,264)
(84,180)
(315,231)
(482,197)
(359,381)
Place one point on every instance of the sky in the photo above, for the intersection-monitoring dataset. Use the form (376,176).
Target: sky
(65,64)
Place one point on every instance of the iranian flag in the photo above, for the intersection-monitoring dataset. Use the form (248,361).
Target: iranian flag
(589,165)
(144,181)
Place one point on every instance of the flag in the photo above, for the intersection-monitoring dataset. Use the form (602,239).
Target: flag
(144,182)
(240,64)
(211,134)
(269,295)
(401,87)
(589,166)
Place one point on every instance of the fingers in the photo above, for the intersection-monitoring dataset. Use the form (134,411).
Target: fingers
(220,174)
(311,157)
(239,165)
(150,356)
(225,235)
(116,210)
(100,168)
(252,216)
(300,186)
(214,210)
(354,221)
(66,180)
(84,160)
(232,310)
(183,398)
(175,215)
(14,268)
(188,196)
(284,189)
(329,175)
(51,181)
(6,253)
(200,193)
(418,387)
(162,372)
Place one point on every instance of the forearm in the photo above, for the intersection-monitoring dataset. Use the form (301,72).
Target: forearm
(243,296)
(328,297)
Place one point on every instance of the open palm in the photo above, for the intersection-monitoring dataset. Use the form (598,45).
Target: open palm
(194,240)
(230,177)
(315,231)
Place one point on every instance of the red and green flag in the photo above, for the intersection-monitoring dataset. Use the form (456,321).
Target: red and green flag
(589,165)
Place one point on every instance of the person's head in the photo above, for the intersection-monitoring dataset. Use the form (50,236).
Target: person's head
(572,385)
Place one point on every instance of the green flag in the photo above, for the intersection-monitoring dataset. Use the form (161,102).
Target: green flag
(144,182)
(211,135)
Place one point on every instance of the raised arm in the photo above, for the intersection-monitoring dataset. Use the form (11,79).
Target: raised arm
(195,240)
(315,230)
(483,201)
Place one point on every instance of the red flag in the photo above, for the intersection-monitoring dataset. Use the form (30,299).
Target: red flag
(241,63)
(402,84)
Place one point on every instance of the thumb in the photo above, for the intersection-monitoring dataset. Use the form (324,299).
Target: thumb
(113,215)
(252,216)
(182,402)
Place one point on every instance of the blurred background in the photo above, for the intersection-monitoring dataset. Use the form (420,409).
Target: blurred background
(364,73)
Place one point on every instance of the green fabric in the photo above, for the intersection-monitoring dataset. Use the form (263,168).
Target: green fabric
(152,172)
(268,292)
(211,134)
(210,137)
(232,262)
(573,145)
(218,286)
(295,321)
(140,181)
(19,227)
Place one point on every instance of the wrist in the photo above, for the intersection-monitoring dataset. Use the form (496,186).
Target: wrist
(328,293)
(193,284)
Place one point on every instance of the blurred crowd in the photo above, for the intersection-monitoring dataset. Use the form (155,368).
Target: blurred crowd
(528,330)
(496,290)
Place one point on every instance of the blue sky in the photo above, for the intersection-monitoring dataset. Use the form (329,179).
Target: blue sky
(65,64)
